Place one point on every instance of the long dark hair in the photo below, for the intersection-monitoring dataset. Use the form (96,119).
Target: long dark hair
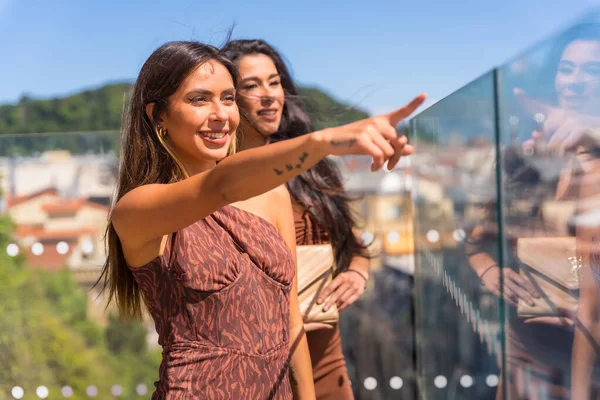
(145,156)
(320,189)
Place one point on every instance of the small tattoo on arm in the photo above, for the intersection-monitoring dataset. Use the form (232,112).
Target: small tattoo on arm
(290,167)
(343,143)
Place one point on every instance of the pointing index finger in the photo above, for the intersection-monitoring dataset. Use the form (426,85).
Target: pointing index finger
(396,116)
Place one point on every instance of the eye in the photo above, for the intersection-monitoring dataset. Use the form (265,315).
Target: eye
(275,83)
(229,99)
(250,86)
(198,99)
(593,69)
(563,69)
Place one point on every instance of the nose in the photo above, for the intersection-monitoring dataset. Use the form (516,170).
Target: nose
(218,112)
(267,95)
(577,80)
(267,100)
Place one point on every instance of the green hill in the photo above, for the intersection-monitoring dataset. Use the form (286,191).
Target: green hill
(100,109)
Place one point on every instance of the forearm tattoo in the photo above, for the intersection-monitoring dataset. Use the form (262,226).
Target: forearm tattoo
(290,167)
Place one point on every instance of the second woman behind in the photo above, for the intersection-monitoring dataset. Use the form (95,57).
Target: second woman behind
(273,112)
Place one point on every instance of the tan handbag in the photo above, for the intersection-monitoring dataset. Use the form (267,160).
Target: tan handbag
(315,272)
(552,266)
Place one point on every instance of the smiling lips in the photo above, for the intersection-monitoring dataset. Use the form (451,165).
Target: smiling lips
(269,114)
(219,138)
(214,135)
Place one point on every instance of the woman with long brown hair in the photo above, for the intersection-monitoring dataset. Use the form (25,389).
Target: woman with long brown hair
(322,214)
(217,278)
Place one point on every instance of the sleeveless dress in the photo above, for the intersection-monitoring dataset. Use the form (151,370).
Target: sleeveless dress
(325,345)
(219,297)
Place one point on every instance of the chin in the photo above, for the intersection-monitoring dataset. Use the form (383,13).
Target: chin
(219,156)
(213,154)
(268,130)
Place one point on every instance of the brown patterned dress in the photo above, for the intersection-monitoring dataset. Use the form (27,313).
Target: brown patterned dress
(325,345)
(219,297)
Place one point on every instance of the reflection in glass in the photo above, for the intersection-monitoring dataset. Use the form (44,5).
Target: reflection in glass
(505,237)
(548,155)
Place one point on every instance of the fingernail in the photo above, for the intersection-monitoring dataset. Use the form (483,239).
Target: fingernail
(325,308)
(319,301)
(531,303)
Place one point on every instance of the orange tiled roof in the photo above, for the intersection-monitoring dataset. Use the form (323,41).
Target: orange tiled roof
(40,233)
(13,201)
(62,207)
(71,206)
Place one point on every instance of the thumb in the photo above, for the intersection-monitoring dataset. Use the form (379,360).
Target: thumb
(396,116)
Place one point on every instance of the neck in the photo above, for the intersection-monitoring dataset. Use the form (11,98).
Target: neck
(194,167)
(251,139)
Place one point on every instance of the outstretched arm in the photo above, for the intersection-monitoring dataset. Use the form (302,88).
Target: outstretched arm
(149,212)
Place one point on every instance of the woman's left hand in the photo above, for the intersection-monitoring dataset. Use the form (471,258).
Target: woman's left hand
(344,290)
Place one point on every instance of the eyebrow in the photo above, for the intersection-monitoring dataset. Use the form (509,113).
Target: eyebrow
(566,62)
(571,63)
(255,78)
(208,92)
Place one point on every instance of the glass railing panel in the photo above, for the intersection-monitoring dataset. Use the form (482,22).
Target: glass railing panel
(457,320)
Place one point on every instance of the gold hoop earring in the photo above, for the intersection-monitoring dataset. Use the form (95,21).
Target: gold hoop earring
(162,132)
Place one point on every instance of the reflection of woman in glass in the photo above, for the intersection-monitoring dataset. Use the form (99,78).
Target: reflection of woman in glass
(322,214)
(574,125)
(218,279)
(538,350)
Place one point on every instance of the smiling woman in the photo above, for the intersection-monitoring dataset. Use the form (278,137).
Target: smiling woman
(204,104)
(218,280)
(259,76)
(322,216)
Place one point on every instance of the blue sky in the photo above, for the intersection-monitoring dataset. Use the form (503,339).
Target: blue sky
(376,54)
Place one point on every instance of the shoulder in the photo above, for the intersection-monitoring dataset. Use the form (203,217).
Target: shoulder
(281,192)
(280,196)
(279,204)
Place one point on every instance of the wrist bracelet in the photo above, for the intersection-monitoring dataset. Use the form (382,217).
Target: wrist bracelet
(486,270)
(355,271)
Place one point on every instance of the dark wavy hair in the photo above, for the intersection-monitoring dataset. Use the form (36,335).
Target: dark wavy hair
(145,156)
(320,189)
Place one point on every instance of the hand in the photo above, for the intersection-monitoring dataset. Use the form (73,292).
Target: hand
(565,129)
(343,291)
(564,318)
(376,137)
(515,287)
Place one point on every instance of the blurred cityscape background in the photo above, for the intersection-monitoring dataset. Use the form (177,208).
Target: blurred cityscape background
(425,328)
